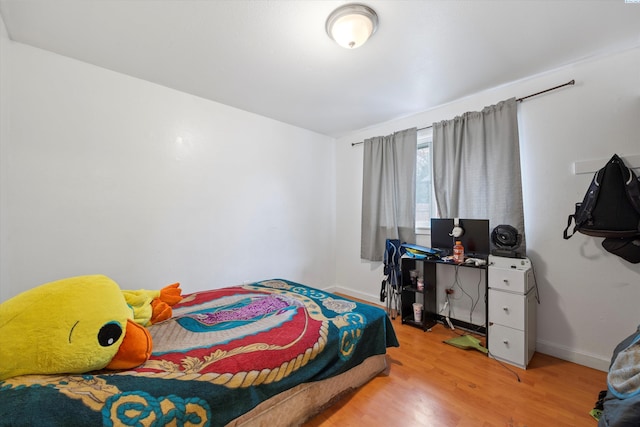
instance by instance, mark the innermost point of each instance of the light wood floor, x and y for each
(434, 384)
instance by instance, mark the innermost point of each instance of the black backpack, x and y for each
(611, 209)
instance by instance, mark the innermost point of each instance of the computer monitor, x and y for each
(475, 238)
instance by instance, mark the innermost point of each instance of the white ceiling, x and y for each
(273, 57)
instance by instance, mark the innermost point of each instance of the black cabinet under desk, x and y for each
(427, 295)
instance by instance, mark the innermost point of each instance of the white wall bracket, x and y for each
(593, 166)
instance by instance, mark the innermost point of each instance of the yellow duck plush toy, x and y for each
(77, 325)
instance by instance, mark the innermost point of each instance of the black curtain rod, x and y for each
(570, 83)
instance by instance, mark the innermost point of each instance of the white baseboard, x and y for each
(372, 299)
(568, 354)
(545, 347)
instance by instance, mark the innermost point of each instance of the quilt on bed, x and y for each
(222, 353)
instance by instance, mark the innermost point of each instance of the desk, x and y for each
(510, 304)
(410, 293)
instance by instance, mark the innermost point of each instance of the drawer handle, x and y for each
(506, 309)
(505, 342)
(505, 281)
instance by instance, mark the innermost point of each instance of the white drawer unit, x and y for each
(506, 343)
(510, 274)
(511, 310)
(511, 279)
(507, 309)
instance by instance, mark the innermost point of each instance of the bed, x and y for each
(620, 405)
(268, 353)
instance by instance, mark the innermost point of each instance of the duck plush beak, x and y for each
(135, 348)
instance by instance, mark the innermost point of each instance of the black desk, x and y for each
(430, 316)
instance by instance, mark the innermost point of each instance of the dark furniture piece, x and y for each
(427, 296)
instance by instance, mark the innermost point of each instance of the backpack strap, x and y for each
(590, 199)
(566, 234)
(584, 209)
(632, 186)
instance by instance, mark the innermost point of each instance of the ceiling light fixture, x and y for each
(352, 24)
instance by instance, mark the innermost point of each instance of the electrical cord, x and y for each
(504, 366)
(460, 334)
(447, 305)
(535, 282)
(474, 302)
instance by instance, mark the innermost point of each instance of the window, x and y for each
(425, 198)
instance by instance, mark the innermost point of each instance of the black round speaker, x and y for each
(506, 237)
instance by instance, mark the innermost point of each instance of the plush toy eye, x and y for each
(109, 334)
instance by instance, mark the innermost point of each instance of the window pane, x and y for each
(424, 188)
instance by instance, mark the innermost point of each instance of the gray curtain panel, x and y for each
(476, 167)
(388, 192)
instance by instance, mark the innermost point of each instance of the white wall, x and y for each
(104, 173)
(589, 298)
(4, 130)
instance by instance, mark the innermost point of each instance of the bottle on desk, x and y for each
(458, 252)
